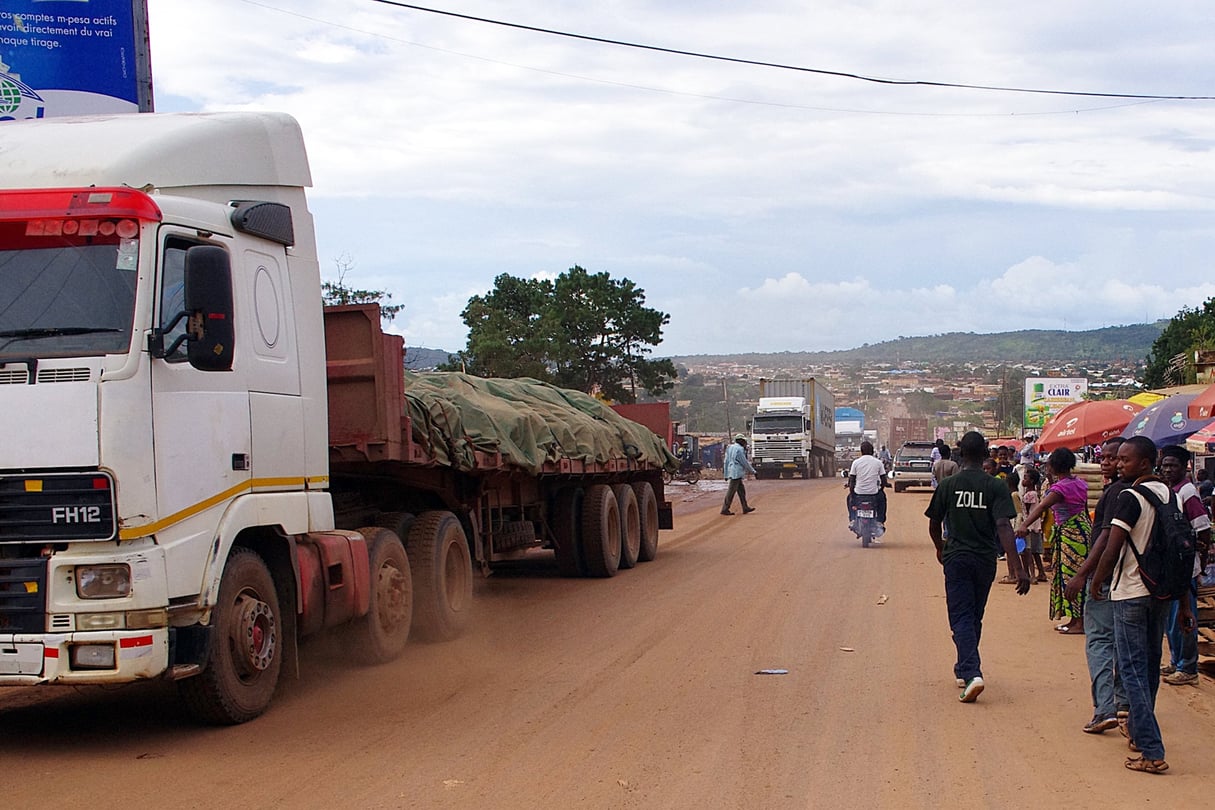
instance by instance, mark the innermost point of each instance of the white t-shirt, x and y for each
(1126, 583)
(868, 471)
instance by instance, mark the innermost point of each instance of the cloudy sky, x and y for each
(765, 209)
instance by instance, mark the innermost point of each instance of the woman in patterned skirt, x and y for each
(1067, 498)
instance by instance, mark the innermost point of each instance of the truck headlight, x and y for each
(92, 656)
(111, 581)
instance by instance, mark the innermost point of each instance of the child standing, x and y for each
(1032, 556)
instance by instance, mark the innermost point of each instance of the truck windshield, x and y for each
(777, 424)
(65, 295)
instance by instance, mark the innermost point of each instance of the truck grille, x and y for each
(22, 589)
(56, 508)
(778, 450)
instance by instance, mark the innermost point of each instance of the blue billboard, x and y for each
(73, 57)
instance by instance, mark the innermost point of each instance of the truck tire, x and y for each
(647, 509)
(442, 576)
(380, 636)
(244, 650)
(601, 531)
(630, 524)
(567, 530)
(398, 522)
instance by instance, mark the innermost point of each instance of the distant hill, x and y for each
(419, 359)
(1109, 344)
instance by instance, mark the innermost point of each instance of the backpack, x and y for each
(1166, 565)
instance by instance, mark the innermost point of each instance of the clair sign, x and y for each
(73, 57)
(1046, 396)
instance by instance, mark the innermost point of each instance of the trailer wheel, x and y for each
(442, 576)
(380, 636)
(244, 651)
(647, 509)
(601, 531)
(630, 524)
(567, 528)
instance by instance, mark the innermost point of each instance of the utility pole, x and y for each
(725, 395)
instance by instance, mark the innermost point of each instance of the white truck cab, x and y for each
(158, 289)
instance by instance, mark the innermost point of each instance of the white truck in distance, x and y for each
(201, 466)
(793, 430)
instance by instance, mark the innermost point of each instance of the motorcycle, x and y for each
(865, 523)
(689, 472)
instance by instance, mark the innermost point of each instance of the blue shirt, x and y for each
(736, 464)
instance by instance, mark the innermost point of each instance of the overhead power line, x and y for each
(778, 66)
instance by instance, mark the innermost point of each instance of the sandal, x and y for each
(1007, 580)
(1146, 765)
(1042, 578)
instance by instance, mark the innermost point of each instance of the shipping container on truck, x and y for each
(793, 429)
(210, 467)
(908, 429)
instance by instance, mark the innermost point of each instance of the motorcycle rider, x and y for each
(867, 476)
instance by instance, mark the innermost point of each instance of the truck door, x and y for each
(201, 433)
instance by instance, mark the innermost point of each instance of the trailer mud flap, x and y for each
(666, 518)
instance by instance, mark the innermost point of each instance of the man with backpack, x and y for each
(1145, 556)
(1182, 669)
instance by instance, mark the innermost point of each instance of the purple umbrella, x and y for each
(1166, 422)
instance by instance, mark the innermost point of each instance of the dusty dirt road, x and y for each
(640, 691)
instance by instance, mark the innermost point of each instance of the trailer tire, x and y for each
(244, 650)
(567, 531)
(442, 576)
(398, 522)
(380, 636)
(647, 509)
(630, 524)
(601, 531)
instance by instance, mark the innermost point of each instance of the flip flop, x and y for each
(1079, 631)
(1146, 765)
(1062, 628)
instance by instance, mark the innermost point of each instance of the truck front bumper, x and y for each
(118, 656)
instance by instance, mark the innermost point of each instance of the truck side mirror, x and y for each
(208, 301)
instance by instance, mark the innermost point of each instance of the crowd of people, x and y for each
(995, 505)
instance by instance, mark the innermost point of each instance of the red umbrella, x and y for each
(1203, 405)
(1012, 444)
(1089, 422)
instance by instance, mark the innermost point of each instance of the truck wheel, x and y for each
(567, 528)
(630, 524)
(380, 636)
(442, 575)
(244, 650)
(647, 509)
(601, 531)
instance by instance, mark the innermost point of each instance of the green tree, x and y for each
(1170, 361)
(334, 293)
(582, 330)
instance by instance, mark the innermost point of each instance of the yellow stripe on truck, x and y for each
(245, 487)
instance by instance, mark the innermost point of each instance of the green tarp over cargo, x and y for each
(528, 422)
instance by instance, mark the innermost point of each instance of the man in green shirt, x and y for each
(978, 510)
